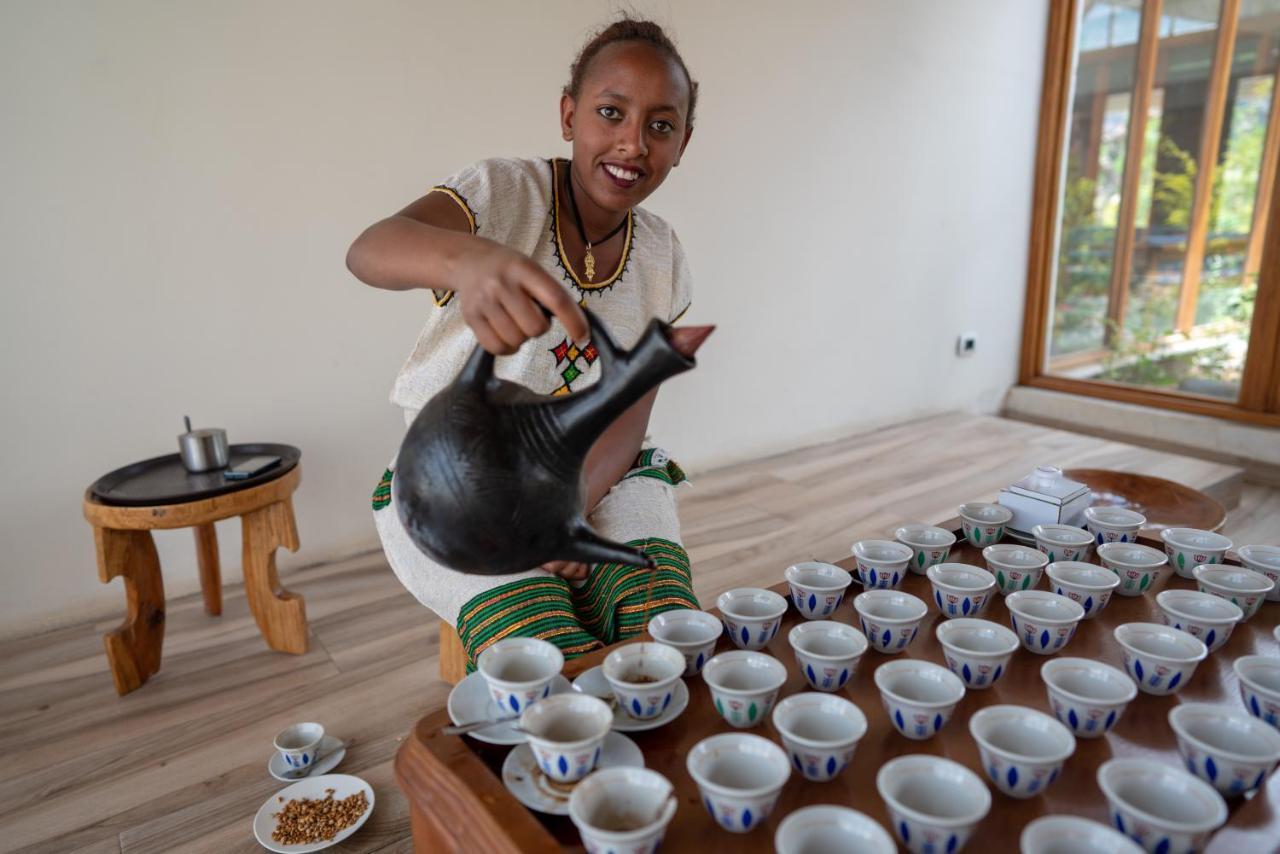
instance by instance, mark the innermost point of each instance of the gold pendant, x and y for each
(590, 264)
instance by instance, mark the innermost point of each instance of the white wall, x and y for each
(181, 182)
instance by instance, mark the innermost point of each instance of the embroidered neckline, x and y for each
(563, 260)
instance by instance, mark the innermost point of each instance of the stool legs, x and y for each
(281, 616)
(133, 650)
(210, 574)
(453, 657)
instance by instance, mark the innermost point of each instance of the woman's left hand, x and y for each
(567, 569)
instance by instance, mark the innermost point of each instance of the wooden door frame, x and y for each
(1259, 401)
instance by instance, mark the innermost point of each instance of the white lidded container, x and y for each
(1045, 497)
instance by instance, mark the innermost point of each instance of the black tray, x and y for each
(164, 480)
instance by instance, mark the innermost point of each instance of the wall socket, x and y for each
(966, 344)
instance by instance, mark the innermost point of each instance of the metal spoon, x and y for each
(463, 729)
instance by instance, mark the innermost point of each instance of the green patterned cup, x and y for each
(1015, 567)
(984, 522)
(1187, 548)
(744, 685)
(930, 545)
(1140, 568)
(1244, 587)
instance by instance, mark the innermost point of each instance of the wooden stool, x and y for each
(453, 656)
(125, 548)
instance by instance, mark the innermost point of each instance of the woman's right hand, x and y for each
(503, 295)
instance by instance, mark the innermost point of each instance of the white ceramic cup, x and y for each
(1201, 615)
(1266, 560)
(519, 672)
(693, 633)
(1043, 621)
(1113, 524)
(1088, 585)
(1160, 659)
(1015, 567)
(934, 803)
(744, 685)
(961, 589)
(566, 733)
(881, 564)
(622, 809)
(1228, 749)
(1063, 542)
(929, 544)
(978, 651)
(983, 523)
(824, 829)
(629, 665)
(1086, 695)
(739, 777)
(1160, 807)
(1022, 750)
(819, 732)
(1140, 568)
(1259, 678)
(299, 744)
(890, 619)
(1069, 834)
(827, 652)
(1187, 548)
(918, 696)
(817, 588)
(1243, 587)
(751, 615)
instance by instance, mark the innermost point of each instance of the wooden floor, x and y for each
(179, 765)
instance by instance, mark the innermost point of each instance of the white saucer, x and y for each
(331, 753)
(1025, 539)
(524, 779)
(470, 701)
(343, 785)
(593, 682)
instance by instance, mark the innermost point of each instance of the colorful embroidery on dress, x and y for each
(568, 354)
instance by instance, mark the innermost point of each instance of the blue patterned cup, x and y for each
(1069, 834)
(825, 827)
(1259, 677)
(929, 544)
(817, 588)
(643, 677)
(820, 732)
(693, 633)
(881, 564)
(889, 619)
(1043, 621)
(1229, 750)
(739, 777)
(1201, 615)
(752, 615)
(1086, 695)
(1022, 750)
(918, 696)
(299, 745)
(1161, 659)
(978, 651)
(933, 803)
(827, 652)
(1161, 808)
(566, 733)
(622, 809)
(1187, 548)
(983, 523)
(1113, 524)
(744, 685)
(519, 672)
(1087, 585)
(960, 589)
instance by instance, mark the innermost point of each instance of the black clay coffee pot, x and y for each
(489, 477)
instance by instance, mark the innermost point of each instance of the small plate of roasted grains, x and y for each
(313, 813)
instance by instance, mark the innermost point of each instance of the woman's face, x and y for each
(627, 124)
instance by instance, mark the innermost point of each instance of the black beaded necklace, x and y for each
(589, 262)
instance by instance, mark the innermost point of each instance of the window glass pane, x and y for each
(1150, 318)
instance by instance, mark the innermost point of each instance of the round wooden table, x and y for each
(1165, 503)
(125, 548)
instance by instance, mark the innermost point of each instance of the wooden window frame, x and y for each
(1259, 398)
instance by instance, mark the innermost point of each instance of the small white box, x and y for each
(1045, 497)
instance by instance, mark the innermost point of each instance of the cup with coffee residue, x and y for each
(622, 809)
(643, 676)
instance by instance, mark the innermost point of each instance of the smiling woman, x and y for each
(511, 249)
